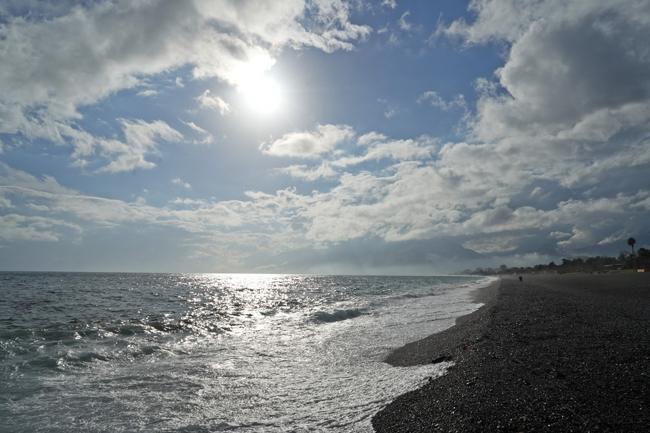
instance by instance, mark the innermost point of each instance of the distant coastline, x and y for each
(638, 261)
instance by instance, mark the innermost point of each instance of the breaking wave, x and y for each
(338, 315)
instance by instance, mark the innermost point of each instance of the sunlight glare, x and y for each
(263, 95)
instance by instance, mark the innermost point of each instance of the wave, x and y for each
(442, 288)
(338, 315)
(61, 360)
(413, 295)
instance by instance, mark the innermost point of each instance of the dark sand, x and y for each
(565, 353)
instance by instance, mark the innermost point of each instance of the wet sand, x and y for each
(556, 353)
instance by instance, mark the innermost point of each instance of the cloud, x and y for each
(147, 93)
(495, 244)
(14, 227)
(473, 191)
(308, 173)
(374, 147)
(390, 110)
(309, 144)
(20, 179)
(555, 160)
(49, 72)
(392, 4)
(566, 61)
(213, 102)
(435, 100)
(406, 202)
(326, 140)
(390, 113)
(47, 64)
(180, 182)
(403, 22)
(420, 148)
(206, 137)
(371, 137)
(232, 222)
(140, 139)
(5, 203)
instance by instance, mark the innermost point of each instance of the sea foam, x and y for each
(203, 352)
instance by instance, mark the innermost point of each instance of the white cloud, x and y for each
(147, 93)
(323, 171)
(213, 102)
(435, 100)
(19, 179)
(390, 113)
(374, 146)
(49, 71)
(392, 4)
(569, 107)
(556, 158)
(406, 201)
(65, 213)
(196, 128)
(206, 137)
(567, 60)
(391, 110)
(403, 22)
(47, 64)
(494, 244)
(5, 202)
(420, 148)
(180, 182)
(509, 21)
(459, 190)
(14, 227)
(140, 139)
(371, 137)
(183, 201)
(309, 144)
(323, 24)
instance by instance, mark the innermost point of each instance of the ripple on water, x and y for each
(190, 352)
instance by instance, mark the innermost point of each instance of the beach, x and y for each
(556, 353)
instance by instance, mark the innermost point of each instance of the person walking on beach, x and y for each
(521, 279)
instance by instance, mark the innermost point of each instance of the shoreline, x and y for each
(555, 353)
(440, 346)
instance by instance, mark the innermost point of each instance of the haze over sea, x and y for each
(91, 352)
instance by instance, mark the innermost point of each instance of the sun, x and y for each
(263, 95)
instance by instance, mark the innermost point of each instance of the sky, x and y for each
(321, 136)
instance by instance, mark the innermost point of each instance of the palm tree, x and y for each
(631, 242)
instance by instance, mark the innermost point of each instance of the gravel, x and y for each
(554, 353)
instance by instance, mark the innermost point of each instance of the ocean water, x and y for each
(91, 352)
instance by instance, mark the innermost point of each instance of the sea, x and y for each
(131, 352)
